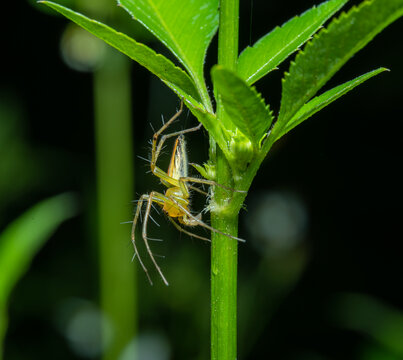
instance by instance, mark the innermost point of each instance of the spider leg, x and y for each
(208, 182)
(185, 231)
(176, 133)
(203, 224)
(197, 189)
(144, 233)
(175, 203)
(156, 149)
(136, 217)
(170, 121)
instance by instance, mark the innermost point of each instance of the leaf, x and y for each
(185, 27)
(319, 102)
(174, 77)
(207, 170)
(272, 49)
(330, 50)
(211, 124)
(22, 239)
(235, 146)
(243, 104)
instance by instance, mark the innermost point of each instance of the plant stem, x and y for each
(224, 251)
(228, 33)
(114, 190)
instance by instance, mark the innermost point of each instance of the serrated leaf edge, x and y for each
(336, 96)
(334, 22)
(280, 27)
(254, 138)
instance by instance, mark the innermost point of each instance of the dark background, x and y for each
(332, 289)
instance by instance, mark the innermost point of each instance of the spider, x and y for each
(175, 202)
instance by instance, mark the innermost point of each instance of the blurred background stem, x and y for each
(115, 183)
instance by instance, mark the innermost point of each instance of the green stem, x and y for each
(224, 251)
(114, 191)
(228, 34)
(223, 280)
(201, 86)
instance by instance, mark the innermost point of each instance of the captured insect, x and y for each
(175, 202)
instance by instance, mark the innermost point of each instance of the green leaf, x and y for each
(207, 170)
(243, 104)
(235, 146)
(185, 27)
(211, 124)
(325, 99)
(330, 50)
(173, 76)
(272, 49)
(22, 239)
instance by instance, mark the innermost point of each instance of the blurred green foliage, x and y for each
(372, 318)
(20, 167)
(22, 239)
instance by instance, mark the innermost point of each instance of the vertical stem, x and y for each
(228, 33)
(114, 190)
(224, 251)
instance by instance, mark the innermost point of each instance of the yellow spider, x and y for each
(176, 200)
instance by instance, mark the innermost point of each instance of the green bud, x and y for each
(241, 150)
